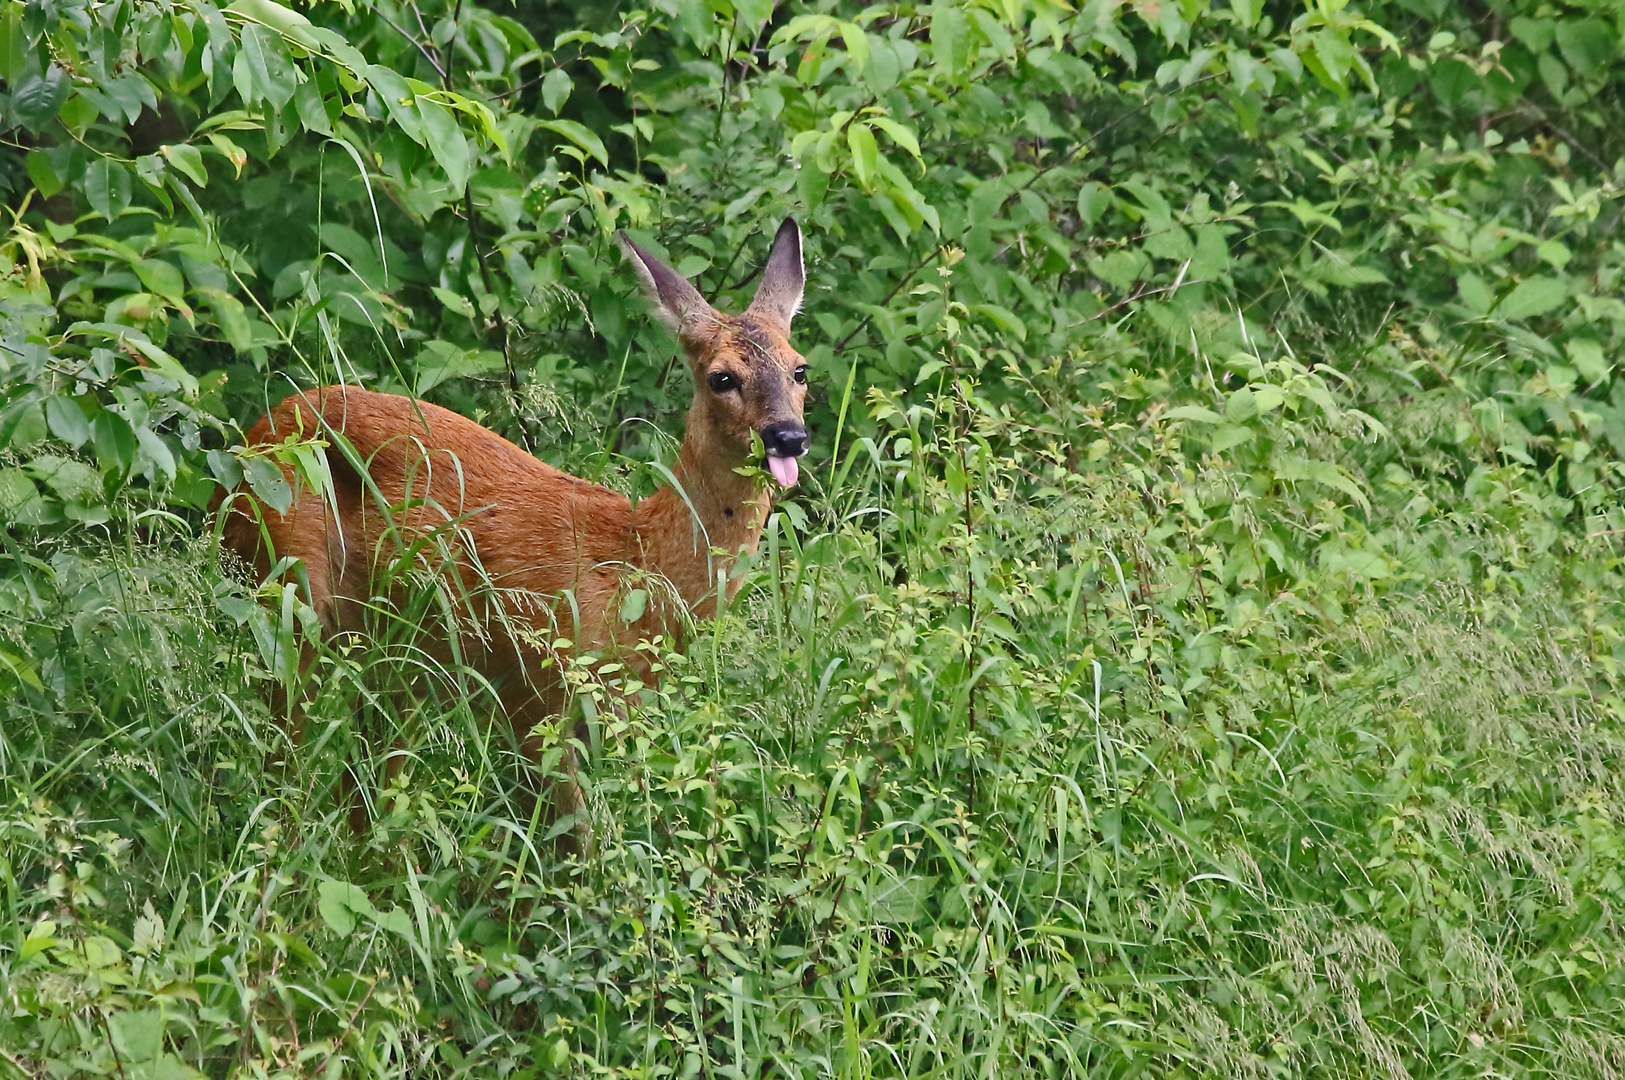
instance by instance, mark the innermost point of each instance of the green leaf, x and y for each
(1336, 268)
(884, 66)
(161, 360)
(864, 152)
(67, 420)
(857, 46)
(398, 100)
(633, 605)
(1321, 472)
(1121, 269)
(339, 902)
(1369, 565)
(1534, 296)
(36, 97)
(454, 301)
(696, 19)
(15, 57)
(1553, 73)
(226, 468)
(1194, 412)
(42, 173)
(1241, 406)
(189, 160)
(556, 87)
(72, 480)
(19, 498)
(162, 278)
(396, 920)
(268, 482)
(900, 135)
(1588, 359)
(311, 109)
(446, 141)
(581, 135)
(1003, 318)
(1554, 253)
(232, 152)
(1093, 200)
(901, 900)
(753, 14)
(441, 360)
(1537, 34)
(114, 441)
(138, 1034)
(27, 673)
(262, 70)
(948, 29)
(1587, 45)
(107, 187)
(1475, 295)
(24, 425)
(272, 14)
(156, 453)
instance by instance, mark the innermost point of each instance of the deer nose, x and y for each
(787, 438)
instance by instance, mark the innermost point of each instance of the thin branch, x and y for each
(1067, 157)
(1141, 295)
(867, 319)
(501, 321)
(427, 55)
(738, 251)
(1057, 163)
(526, 85)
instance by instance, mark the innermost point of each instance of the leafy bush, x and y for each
(1195, 648)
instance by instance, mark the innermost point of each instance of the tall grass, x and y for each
(1019, 754)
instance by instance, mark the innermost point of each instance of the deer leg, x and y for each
(535, 716)
(351, 790)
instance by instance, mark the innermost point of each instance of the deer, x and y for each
(540, 554)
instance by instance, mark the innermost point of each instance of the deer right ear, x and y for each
(676, 303)
(778, 297)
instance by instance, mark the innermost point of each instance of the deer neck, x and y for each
(712, 507)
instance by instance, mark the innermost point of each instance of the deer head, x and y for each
(747, 378)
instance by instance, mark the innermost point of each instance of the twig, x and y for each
(1137, 296)
(867, 319)
(1062, 160)
(427, 55)
(1078, 149)
(526, 85)
(738, 251)
(501, 321)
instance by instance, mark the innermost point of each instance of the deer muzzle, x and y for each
(784, 442)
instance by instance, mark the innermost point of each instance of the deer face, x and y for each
(747, 379)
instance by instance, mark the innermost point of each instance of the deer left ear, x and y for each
(778, 297)
(676, 303)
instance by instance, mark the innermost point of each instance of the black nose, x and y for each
(787, 438)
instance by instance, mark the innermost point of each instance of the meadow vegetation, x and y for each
(1194, 647)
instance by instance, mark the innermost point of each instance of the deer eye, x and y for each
(722, 382)
(800, 374)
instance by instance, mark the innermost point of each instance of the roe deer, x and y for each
(540, 550)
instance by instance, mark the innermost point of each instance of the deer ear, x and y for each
(676, 303)
(778, 297)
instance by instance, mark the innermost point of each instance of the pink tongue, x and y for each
(784, 470)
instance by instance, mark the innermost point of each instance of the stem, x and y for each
(501, 322)
(867, 319)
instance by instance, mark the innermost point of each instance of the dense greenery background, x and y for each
(1194, 650)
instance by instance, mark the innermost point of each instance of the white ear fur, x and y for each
(675, 301)
(778, 297)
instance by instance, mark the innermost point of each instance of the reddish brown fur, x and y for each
(525, 536)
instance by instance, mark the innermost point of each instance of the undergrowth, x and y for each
(1014, 757)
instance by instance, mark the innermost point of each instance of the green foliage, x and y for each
(1194, 647)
